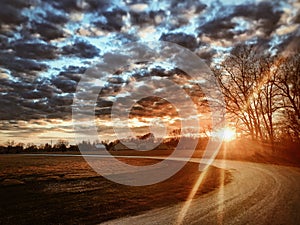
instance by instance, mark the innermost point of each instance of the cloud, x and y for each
(266, 13)
(220, 28)
(34, 50)
(81, 49)
(141, 18)
(73, 73)
(33, 131)
(113, 20)
(42, 98)
(81, 6)
(151, 81)
(20, 66)
(64, 84)
(297, 18)
(207, 54)
(187, 41)
(47, 31)
(10, 11)
(290, 44)
(55, 18)
(68, 5)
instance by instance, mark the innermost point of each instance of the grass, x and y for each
(65, 190)
(246, 150)
(241, 150)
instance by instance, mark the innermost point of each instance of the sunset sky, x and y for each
(46, 47)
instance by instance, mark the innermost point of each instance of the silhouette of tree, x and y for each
(288, 82)
(61, 145)
(10, 143)
(248, 78)
(31, 147)
(47, 147)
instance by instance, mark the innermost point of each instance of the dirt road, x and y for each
(258, 194)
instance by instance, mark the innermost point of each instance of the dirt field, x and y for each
(65, 190)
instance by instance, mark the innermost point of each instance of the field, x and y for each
(65, 190)
(242, 150)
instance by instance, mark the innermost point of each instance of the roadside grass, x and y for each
(241, 150)
(65, 190)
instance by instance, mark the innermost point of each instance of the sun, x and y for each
(227, 134)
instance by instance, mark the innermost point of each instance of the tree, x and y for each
(107, 144)
(10, 143)
(237, 76)
(31, 147)
(247, 80)
(61, 145)
(19, 147)
(47, 147)
(268, 98)
(288, 82)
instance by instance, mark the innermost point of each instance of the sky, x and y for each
(46, 47)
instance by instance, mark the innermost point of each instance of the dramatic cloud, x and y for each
(10, 12)
(187, 41)
(34, 50)
(266, 14)
(81, 49)
(47, 46)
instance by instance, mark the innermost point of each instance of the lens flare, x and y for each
(227, 134)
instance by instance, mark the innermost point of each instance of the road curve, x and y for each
(258, 194)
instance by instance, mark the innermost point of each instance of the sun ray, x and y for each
(221, 194)
(191, 196)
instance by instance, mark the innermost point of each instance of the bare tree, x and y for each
(288, 82)
(10, 143)
(268, 95)
(62, 144)
(237, 76)
(247, 79)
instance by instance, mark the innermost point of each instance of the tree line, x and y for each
(60, 146)
(86, 146)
